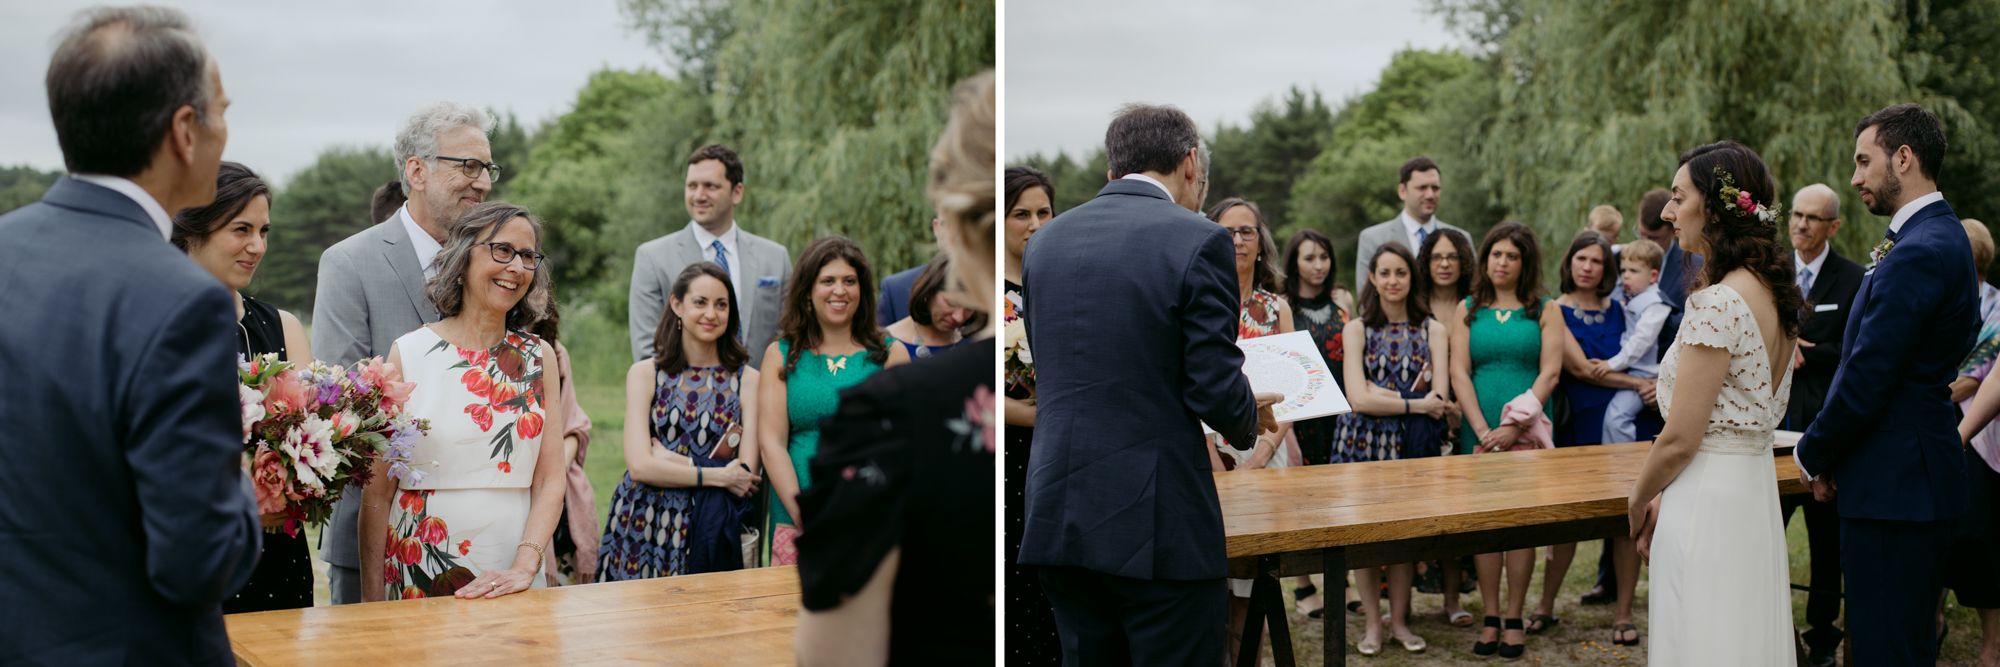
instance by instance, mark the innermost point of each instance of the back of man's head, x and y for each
(117, 77)
(1650, 206)
(1606, 220)
(1147, 137)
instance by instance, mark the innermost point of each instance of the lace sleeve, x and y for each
(1713, 319)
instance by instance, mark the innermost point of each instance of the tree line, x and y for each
(1557, 106)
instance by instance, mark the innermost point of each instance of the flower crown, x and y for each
(1740, 201)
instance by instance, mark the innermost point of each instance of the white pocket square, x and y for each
(1826, 307)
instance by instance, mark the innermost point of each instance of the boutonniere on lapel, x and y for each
(1881, 250)
(834, 367)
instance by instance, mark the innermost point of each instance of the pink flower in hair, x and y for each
(1743, 201)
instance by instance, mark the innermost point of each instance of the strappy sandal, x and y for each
(1512, 651)
(1454, 618)
(1619, 630)
(1299, 596)
(1539, 623)
(1484, 649)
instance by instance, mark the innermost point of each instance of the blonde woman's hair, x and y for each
(962, 187)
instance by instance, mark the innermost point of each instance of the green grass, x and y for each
(1584, 636)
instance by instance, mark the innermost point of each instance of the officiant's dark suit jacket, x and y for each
(1888, 433)
(1827, 306)
(1132, 317)
(125, 517)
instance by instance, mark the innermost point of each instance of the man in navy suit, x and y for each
(1132, 313)
(1885, 447)
(125, 517)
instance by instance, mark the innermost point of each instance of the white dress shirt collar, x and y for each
(427, 248)
(1910, 210)
(1410, 227)
(705, 242)
(1800, 264)
(1142, 177)
(125, 186)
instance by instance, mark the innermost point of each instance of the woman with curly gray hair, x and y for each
(474, 516)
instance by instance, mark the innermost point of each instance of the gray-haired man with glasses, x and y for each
(371, 285)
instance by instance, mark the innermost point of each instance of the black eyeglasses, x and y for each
(505, 253)
(1246, 233)
(472, 168)
(1812, 218)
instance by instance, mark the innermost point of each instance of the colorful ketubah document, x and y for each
(1290, 364)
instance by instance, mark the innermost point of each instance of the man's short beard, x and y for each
(1887, 197)
(443, 213)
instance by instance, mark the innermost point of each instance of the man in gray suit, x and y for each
(371, 285)
(1418, 185)
(758, 267)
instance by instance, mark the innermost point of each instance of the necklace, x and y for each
(834, 367)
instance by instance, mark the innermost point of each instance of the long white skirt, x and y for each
(440, 540)
(1720, 580)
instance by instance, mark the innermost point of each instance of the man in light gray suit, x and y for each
(371, 285)
(1418, 185)
(758, 267)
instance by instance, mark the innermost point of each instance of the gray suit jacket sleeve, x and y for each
(647, 298)
(1371, 238)
(340, 332)
(202, 528)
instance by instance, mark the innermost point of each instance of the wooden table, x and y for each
(1334, 518)
(725, 618)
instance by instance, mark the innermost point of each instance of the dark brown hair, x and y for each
(1650, 206)
(1264, 273)
(797, 325)
(668, 353)
(935, 277)
(115, 82)
(1527, 288)
(1019, 179)
(549, 328)
(1292, 250)
(1584, 240)
(1908, 125)
(479, 225)
(732, 166)
(1415, 165)
(1467, 265)
(387, 199)
(1738, 240)
(235, 186)
(1370, 303)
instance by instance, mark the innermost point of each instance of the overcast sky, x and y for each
(307, 75)
(1070, 63)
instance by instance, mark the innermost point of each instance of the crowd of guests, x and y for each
(1447, 350)
(771, 418)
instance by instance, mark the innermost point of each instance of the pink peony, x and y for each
(284, 393)
(1744, 202)
(267, 475)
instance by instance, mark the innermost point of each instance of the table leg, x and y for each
(1274, 601)
(1333, 561)
(1253, 621)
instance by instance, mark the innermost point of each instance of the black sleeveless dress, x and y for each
(284, 577)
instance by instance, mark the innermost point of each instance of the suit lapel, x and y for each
(1825, 280)
(402, 259)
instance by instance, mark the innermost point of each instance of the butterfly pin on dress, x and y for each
(834, 367)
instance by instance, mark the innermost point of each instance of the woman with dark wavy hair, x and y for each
(827, 341)
(1506, 354)
(1031, 620)
(1704, 502)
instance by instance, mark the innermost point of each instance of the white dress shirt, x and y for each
(1142, 177)
(125, 186)
(427, 248)
(1910, 210)
(1411, 227)
(707, 243)
(1801, 265)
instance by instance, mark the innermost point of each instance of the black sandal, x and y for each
(1483, 649)
(1512, 651)
(1354, 606)
(1540, 623)
(1619, 630)
(1299, 596)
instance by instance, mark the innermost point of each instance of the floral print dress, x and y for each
(697, 412)
(1256, 318)
(1324, 319)
(469, 512)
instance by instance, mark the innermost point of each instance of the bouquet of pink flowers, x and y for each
(312, 432)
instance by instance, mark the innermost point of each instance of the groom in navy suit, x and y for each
(1884, 447)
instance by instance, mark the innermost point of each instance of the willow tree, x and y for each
(1597, 99)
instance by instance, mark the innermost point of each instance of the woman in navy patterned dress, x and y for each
(696, 397)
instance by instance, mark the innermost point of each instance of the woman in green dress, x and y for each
(1506, 344)
(827, 341)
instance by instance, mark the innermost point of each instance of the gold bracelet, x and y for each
(539, 555)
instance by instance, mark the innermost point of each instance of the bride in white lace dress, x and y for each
(1706, 504)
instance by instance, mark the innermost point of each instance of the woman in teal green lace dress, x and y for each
(828, 340)
(1506, 344)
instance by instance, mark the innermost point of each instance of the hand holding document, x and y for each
(1290, 365)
